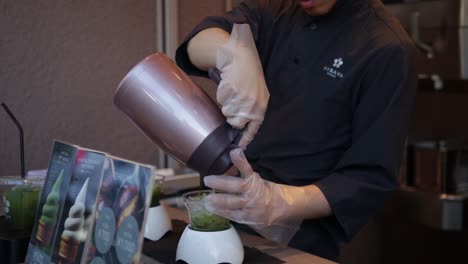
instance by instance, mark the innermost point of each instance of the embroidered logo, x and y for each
(333, 71)
(337, 63)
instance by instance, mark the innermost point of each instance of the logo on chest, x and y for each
(333, 71)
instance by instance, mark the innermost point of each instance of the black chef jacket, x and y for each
(341, 90)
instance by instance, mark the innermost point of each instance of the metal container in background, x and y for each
(439, 166)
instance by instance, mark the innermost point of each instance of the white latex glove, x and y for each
(242, 92)
(274, 210)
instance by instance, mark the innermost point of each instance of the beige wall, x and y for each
(60, 62)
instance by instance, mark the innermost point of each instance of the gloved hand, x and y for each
(274, 210)
(242, 92)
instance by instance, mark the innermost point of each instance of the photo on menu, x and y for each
(116, 233)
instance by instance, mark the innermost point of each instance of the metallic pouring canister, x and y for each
(176, 114)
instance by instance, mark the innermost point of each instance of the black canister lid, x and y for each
(212, 156)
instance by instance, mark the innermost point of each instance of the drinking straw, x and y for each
(20, 128)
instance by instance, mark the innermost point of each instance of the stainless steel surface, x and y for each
(440, 31)
(440, 211)
(168, 106)
(464, 38)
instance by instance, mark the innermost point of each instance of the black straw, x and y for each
(20, 128)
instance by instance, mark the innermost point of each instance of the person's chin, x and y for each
(317, 7)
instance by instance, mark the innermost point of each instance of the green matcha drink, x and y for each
(200, 218)
(155, 198)
(20, 205)
(6, 184)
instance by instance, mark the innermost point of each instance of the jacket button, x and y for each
(313, 26)
(296, 60)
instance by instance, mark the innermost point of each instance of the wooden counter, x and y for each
(286, 254)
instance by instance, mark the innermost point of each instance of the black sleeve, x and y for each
(248, 12)
(366, 174)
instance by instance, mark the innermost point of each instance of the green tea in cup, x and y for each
(6, 183)
(20, 205)
(200, 218)
(156, 197)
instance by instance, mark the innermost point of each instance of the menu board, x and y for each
(92, 208)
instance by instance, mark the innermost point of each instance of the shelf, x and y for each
(448, 86)
(441, 211)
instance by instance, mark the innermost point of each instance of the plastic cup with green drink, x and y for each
(200, 218)
(19, 199)
(156, 197)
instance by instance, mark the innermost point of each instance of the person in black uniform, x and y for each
(325, 105)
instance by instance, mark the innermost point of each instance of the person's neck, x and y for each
(321, 10)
